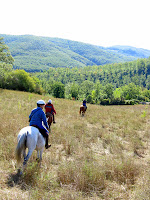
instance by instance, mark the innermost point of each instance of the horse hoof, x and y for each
(24, 163)
(38, 160)
(19, 172)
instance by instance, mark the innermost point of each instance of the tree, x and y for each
(141, 66)
(98, 94)
(5, 55)
(6, 62)
(58, 90)
(108, 90)
(74, 90)
(86, 88)
(131, 91)
(118, 93)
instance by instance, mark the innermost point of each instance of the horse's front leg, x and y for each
(49, 123)
(41, 153)
(38, 156)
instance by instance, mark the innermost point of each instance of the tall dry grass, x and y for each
(103, 155)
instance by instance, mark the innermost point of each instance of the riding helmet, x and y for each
(41, 102)
(49, 101)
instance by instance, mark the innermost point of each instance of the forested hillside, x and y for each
(34, 53)
(114, 82)
(117, 74)
(119, 83)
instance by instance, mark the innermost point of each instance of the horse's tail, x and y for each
(21, 144)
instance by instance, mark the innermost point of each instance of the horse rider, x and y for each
(84, 104)
(49, 108)
(36, 118)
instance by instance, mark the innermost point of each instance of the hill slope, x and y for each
(34, 53)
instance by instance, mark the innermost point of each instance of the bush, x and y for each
(105, 102)
(131, 102)
(22, 81)
(117, 101)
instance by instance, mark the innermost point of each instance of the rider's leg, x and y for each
(54, 119)
(45, 135)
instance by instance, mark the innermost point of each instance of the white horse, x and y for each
(29, 137)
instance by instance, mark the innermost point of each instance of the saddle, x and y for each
(48, 114)
(35, 126)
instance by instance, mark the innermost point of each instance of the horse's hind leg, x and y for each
(38, 156)
(27, 158)
(24, 153)
(80, 111)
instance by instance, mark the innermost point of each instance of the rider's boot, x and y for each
(47, 145)
(53, 119)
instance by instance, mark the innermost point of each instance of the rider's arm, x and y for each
(30, 115)
(54, 109)
(44, 119)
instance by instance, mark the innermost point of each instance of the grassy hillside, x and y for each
(34, 53)
(104, 155)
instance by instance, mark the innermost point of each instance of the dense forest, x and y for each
(113, 83)
(118, 83)
(34, 54)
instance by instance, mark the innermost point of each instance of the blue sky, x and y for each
(99, 22)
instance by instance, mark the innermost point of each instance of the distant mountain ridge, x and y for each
(130, 51)
(35, 53)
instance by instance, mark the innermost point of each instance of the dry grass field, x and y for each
(103, 155)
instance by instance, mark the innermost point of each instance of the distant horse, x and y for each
(82, 110)
(49, 119)
(29, 137)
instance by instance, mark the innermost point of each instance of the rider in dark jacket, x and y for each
(36, 118)
(84, 104)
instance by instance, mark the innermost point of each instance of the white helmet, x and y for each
(41, 102)
(49, 101)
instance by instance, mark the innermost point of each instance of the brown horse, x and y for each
(50, 119)
(82, 110)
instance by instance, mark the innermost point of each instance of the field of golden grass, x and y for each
(103, 155)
